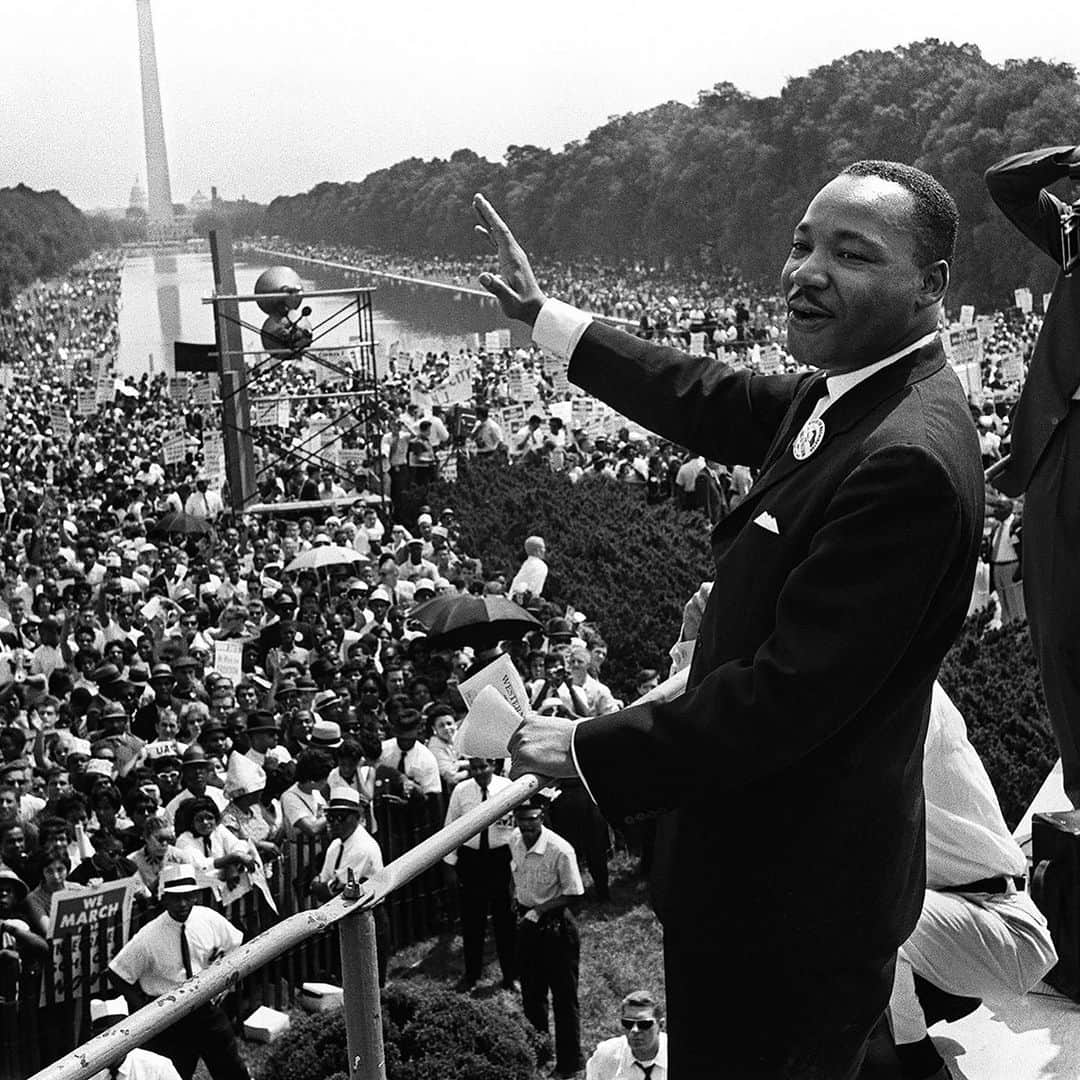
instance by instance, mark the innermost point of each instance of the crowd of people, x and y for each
(126, 753)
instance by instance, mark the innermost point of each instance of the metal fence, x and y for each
(51, 1016)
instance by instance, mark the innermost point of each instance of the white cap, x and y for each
(102, 1008)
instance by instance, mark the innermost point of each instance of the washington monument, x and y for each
(159, 205)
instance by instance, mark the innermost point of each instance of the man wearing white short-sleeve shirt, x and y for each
(182, 941)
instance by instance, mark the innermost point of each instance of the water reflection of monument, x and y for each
(168, 302)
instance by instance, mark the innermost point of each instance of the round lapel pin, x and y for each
(808, 440)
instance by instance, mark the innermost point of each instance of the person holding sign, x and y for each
(792, 854)
(1044, 459)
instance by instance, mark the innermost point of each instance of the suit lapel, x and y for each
(848, 411)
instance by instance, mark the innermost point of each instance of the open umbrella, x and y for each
(176, 521)
(325, 555)
(479, 621)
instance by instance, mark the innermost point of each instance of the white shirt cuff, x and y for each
(577, 767)
(558, 328)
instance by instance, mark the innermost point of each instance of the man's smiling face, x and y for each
(853, 285)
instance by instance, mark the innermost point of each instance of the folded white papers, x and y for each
(503, 676)
(486, 731)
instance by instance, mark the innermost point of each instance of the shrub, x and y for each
(993, 680)
(429, 1031)
(629, 566)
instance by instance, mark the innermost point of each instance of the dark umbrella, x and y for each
(479, 621)
(176, 521)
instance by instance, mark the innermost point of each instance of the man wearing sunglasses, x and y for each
(640, 1053)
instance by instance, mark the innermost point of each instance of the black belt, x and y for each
(993, 885)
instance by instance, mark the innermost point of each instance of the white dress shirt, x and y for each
(467, 796)
(152, 958)
(546, 870)
(420, 765)
(613, 1060)
(358, 851)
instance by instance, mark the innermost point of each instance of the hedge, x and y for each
(428, 1030)
(629, 566)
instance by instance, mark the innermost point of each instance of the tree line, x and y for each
(41, 235)
(722, 182)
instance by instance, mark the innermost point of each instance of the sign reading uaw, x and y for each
(73, 910)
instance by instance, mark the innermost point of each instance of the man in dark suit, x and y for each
(791, 861)
(1044, 462)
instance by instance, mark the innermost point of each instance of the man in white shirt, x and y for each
(138, 1064)
(640, 1053)
(203, 503)
(352, 848)
(182, 941)
(546, 881)
(410, 757)
(533, 572)
(978, 936)
(482, 868)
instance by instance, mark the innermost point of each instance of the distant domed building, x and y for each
(137, 200)
(198, 202)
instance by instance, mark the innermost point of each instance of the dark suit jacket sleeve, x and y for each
(701, 403)
(849, 612)
(1018, 186)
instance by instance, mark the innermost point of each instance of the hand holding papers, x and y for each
(486, 731)
(498, 704)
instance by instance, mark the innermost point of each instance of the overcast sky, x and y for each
(269, 97)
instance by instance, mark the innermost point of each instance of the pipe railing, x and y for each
(359, 969)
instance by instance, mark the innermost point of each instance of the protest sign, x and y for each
(202, 393)
(771, 361)
(452, 391)
(87, 403)
(229, 659)
(1012, 368)
(90, 926)
(105, 388)
(697, 344)
(178, 389)
(264, 414)
(491, 341)
(1023, 300)
(967, 315)
(174, 449)
(59, 422)
(70, 910)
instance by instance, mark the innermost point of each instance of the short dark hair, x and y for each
(313, 764)
(642, 999)
(936, 218)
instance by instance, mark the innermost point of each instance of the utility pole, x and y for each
(236, 411)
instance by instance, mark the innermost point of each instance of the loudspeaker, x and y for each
(1055, 888)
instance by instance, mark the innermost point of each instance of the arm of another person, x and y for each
(841, 627)
(1018, 186)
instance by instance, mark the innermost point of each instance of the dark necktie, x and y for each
(206, 845)
(816, 389)
(646, 1069)
(485, 843)
(401, 763)
(185, 952)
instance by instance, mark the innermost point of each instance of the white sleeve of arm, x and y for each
(558, 328)
(577, 767)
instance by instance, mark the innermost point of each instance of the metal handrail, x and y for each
(365, 1036)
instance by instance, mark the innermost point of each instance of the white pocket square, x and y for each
(767, 521)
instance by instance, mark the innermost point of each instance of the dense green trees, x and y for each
(724, 181)
(41, 234)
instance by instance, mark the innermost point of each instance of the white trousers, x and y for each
(973, 945)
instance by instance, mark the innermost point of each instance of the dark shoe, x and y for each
(465, 986)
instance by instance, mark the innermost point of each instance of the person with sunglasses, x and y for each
(640, 1053)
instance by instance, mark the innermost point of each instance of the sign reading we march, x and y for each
(73, 910)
